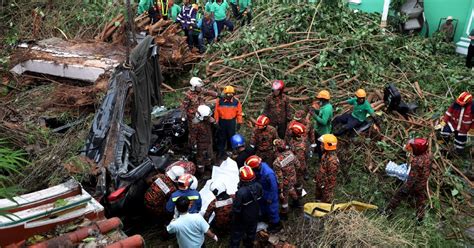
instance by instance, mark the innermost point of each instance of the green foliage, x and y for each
(11, 161)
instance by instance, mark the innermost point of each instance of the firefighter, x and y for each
(161, 188)
(241, 152)
(358, 115)
(285, 166)
(322, 116)
(298, 145)
(269, 203)
(184, 182)
(245, 209)
(202, 138)
(262, 139)
(458, 120)
(300, 116)
(188, 166)
(221, 206)
(415, 186)
(277, 108)
(326, 176)
(228, 115)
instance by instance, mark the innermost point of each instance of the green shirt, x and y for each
(220, 10)
(360, 111)
(144, 5)
(243, 4)
(208, 6)
(322, 120)
(233, 1)
(174, 11)
(472, 34)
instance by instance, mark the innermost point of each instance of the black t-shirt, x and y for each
(242, 156)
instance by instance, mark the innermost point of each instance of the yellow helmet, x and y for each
(360, 93)
(228, 90)
(324, 94)
(329, 142)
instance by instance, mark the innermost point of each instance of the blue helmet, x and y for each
(237, 141)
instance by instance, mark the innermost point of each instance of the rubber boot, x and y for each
(296, 203)
(275, 227)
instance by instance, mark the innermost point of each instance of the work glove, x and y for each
(441, 125)
(238, 127)
(215, 238)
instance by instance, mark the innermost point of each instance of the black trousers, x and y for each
(225, 133)
(348, 121)
(245, 232)
(470, 54)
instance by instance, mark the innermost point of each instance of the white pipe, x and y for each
(386, 6)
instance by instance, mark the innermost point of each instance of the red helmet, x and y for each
(297, 128)
(185, 181)
(253, 161)
(246, 174)
(464, 99)
(262, 121)
(278, 85)
(279, 144)
(417, 146)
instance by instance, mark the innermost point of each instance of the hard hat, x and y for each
(194, 184)
(299, 115)
(184, 181)
(324, 94)
(297, 128)
(417, 146)
(449, 18)
(202, 112)
(262, 121)
(195, 6)
(237, 141)
(188, 166)
(195, 82)
(246, 174)
(174, 172)
(360, 93)
(464, 98)
(279, 144)
(228, 90)
(329, 142)
(218, 187)
(278, 85)
(253, 161)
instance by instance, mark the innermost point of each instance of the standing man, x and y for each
(202, 139)
(228, 115)
(219, 9)
(241, 152)
(184, 182)
(448, 29)
(245, 11)
(245, 209)
(299, 146)
(285, 169)
(221, 206)
(269, 203)
(189, 227)
(415, 186)
(470, 50)
(209, 31)
(458, 119)
(322, 116)
(277, 107)
(262, 139)
(187, 18)
(326, 176)
(174, 10)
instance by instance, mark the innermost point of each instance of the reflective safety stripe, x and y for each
(190, 197)
(162, 185)
(287, 160)
(448, 114)
(223, 203)
(460, 119)
(284, 205)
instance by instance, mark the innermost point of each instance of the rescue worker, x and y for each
(300, 117)
(221, 206)
(298, 145)
(187, 18)
(262, 139)
(269, 205)
(241, 152)
(326, 177)
(322, 116)
(285, 166)
(228, 115)
(245, 209)
(161, 188)
(188, 166)
(277, 108)
(358, 115)
(458, 120)
(415, 186)
(184, 182)
(202, 138)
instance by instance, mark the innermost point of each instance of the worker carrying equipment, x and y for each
(262, 139)
(328, 168)
(221, 206)
(277, 108)
(202, 141)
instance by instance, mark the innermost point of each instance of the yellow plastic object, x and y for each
(320, 209)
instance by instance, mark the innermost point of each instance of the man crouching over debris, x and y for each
(418, 178)
(202, 139)
(221, 206)
(326, 176)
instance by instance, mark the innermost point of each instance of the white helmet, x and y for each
(195, 82)
(203, 111)
(219, 186)
(194, 184)
(175, 172)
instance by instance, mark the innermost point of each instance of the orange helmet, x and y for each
(185, 181)
(246, 174)
(417, 146)
(262, 121)
(278, 85)
(279, 144)
(324, 94)
(360, 93)
(464, 99)
(299, 115)
(253, 161)
(297, 128)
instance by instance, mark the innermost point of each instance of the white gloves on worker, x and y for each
(313, 145)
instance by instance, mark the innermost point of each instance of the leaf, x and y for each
(116, 24)
(454, 192)
(60, 203)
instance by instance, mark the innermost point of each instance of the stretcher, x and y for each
(320, 209)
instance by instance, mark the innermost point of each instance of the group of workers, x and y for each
(201, 22)
(273, 164)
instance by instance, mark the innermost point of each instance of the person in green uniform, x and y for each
(219, 9)
(208, 5)
(245, 11)
(175, 9)
(144, 5)
(322, 116)
(470, 50)
(159, 9)
(358, 116)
